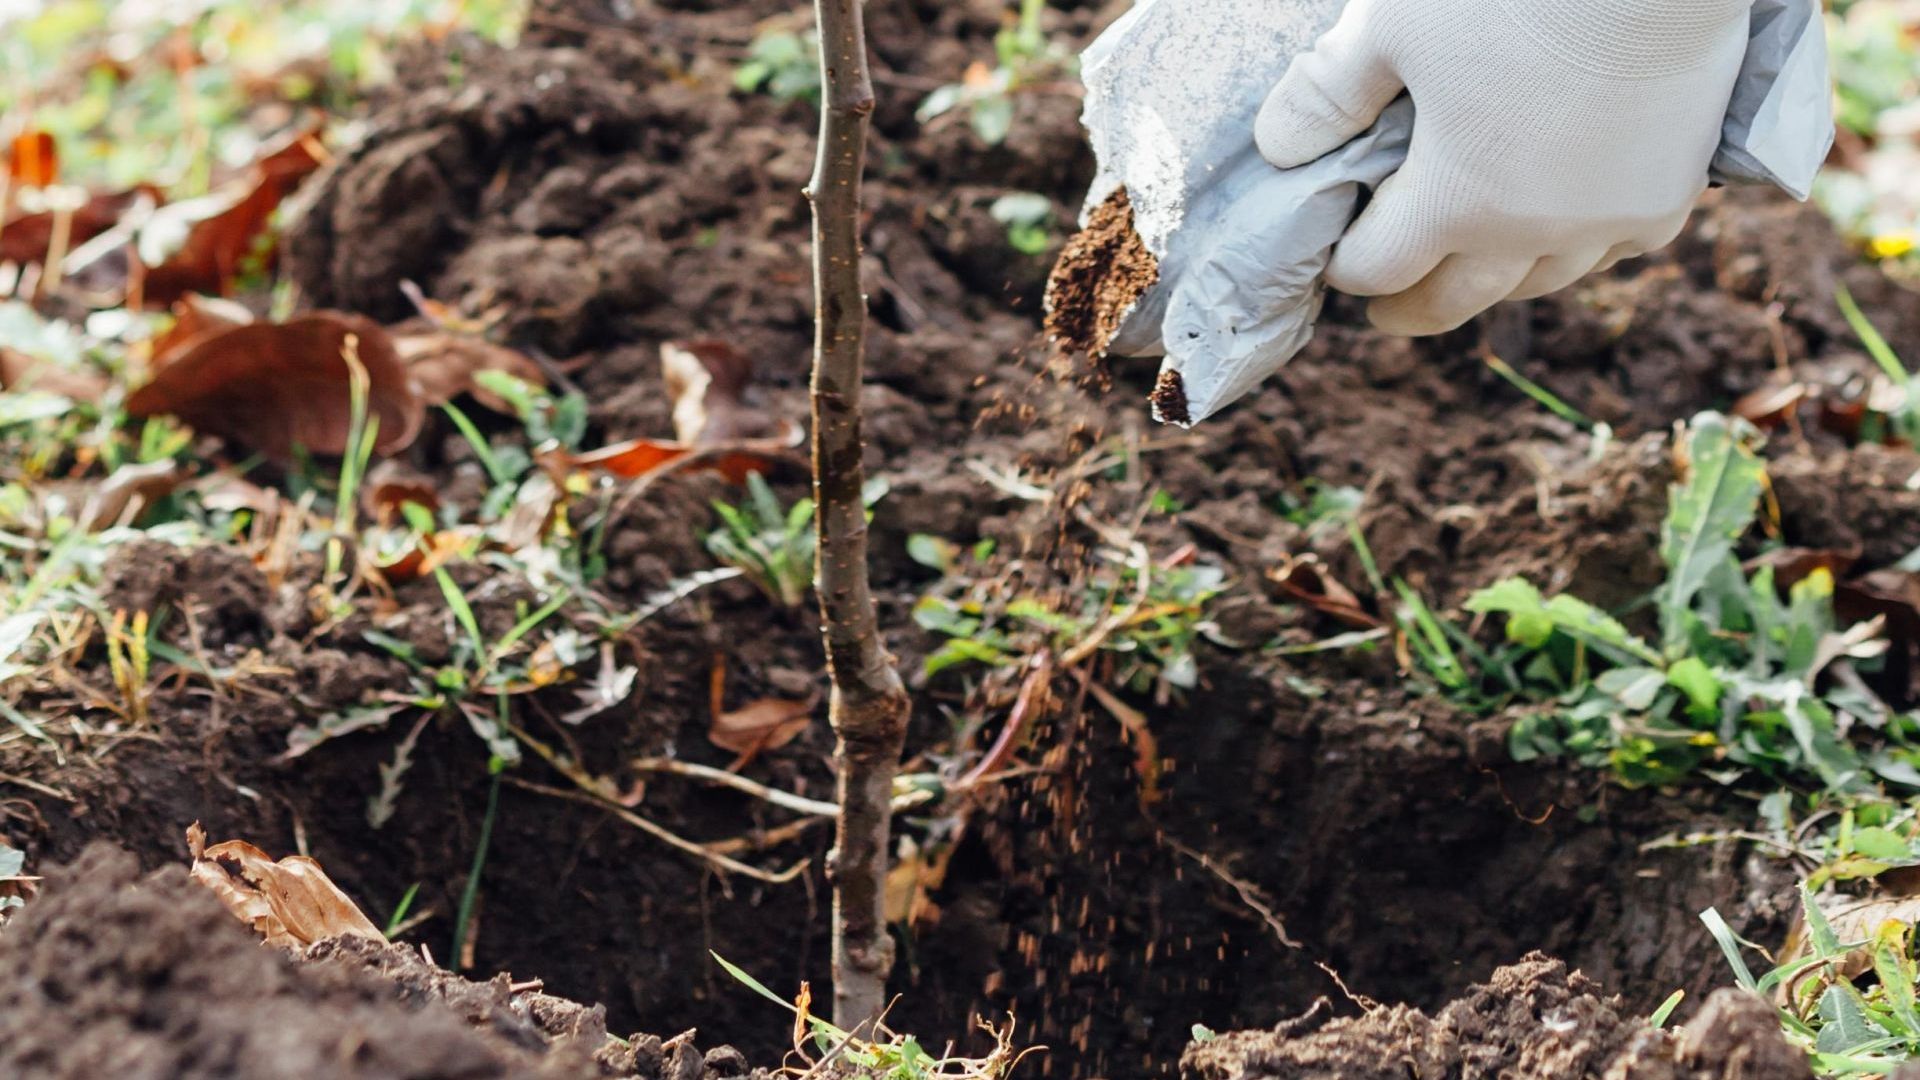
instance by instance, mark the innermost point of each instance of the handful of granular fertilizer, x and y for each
(1195, 249)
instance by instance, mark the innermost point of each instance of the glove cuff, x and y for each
(1633, 39)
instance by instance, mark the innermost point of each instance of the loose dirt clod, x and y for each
(1531, 1021)
(1101, 273)
(1169, 398)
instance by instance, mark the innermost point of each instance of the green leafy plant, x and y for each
(1024, 58)
(1850, 1025)
(1149, 618)
(1028, 217)
(1733, 687)
(560, 421)
(771, 547)
(782, 64)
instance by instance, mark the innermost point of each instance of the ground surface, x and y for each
(603, 183)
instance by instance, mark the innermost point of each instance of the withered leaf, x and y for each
(1772, 405)
(443, 365)
(20, 372)
(1307, 580)
(759, 726)
(420, 556)
(274, 386)
(24, 240)
(290, 903)
(128, 491)
(196, 317)
(217, 246)
(536, 506)
(638, 457)
(390, 485)
(232, 493)
(707, 380)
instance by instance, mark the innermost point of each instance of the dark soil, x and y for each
(1532, 1021)
(1101, 273)
(112, 973)
(604, 187)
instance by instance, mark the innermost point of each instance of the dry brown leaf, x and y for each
(425, 555)
(24, 240)
(33, 160)
(20, 372)
(1307, 580)
(232, 494)
(196, 317)
(1772, 405)
(274, 386)
(290, 903)
(125, 494)
(637, 457)
(443, 365)
(707, 380)
(536, 506)
(759, 726)
(217, 247)
(391, 485)
(912, 880)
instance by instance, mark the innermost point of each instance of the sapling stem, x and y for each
(869, 704)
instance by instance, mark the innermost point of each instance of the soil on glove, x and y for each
(1531, 1021)
(115, 973)
(1103, 271)
(603, 188)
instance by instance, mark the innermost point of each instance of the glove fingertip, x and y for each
(1290, 136)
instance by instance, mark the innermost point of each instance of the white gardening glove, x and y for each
(1551, 138)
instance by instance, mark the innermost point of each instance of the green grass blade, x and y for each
(525, 626)
(482, 449)
(470, 895)
(462, 610)
(1665, 1012)
(1871, 337)
(400, 910)
(1729, 943)
(1540, 394)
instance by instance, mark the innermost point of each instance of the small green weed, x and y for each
(1900, 420)
(1848, 1030)
(1028, 217)
(1150, 618)
(771, 547)
(783, 64)
(1732, 688)
(1025, 58)
(881, 1053)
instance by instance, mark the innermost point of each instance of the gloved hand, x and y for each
(1552, 138)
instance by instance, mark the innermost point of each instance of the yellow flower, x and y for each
(1892, 245)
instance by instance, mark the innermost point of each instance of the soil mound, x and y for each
(1531, 1021)
(111, 973)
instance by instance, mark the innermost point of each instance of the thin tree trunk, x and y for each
(869, 705)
